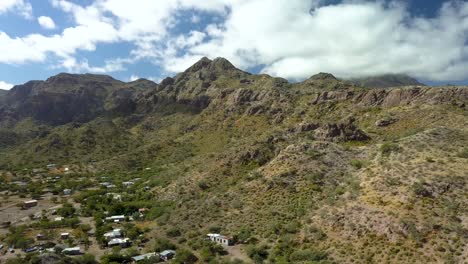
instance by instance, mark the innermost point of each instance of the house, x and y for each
(167, 255)
(128, 184)
(144, 257)
(58, 219)
(123, 242)
(67, 191)
(105, 184)
(116, 233)
(72, 251)
(115, 218)
(64, 235)
(142, 210)
(40, 237)
(29, 204)
(30, 250)
(51, 166)
(220, 239)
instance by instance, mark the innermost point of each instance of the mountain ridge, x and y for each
(386, 81)
(323, 168)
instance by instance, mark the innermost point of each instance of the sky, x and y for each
(293, 39)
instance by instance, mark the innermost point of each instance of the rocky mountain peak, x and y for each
(70, 79)
(202, 63)
(222, 64)
(323, 76)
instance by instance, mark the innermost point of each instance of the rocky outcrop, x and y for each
(386, 121)
(340, 132)
(412, 95)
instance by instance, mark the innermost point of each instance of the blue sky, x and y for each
(288, 38)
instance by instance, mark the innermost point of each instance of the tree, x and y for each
(257, 254)
(184, 256)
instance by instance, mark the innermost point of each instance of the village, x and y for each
(58, 211)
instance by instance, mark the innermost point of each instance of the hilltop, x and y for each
(387, 80)
(322, 170)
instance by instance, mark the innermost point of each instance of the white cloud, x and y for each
(46, 22)
(21, 7)
(134, 77)
(353, 38)
(5, 86)
(349, 39)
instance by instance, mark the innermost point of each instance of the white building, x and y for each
(128, 184)
(72, 251)
(144, 257)
(220, 239)
(116, 233)
(115, 218)
(123, 242)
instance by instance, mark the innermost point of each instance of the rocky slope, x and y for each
(385, 81)
(362, 175)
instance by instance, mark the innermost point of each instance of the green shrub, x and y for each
(316, 178)
(161, 244)
(420, 190)
(358, 164)
(184, 256)
(214, 229)
(388, 148)
(173, 232)
(463, 154)
(257, 253)
(308, 255)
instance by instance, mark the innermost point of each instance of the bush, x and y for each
(214, 229)
(162, 244)
(308, 255)
(203, 185)
(388, 148)
(257, 253)
(67, 210)
(114, 258)
(184, 256)
(358, 164)
(463, 154)
(420, 190)
(173, 232)
(316, 178)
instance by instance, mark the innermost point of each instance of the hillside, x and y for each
(322, 170)
(387, 80)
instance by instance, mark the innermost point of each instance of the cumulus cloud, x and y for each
(46, 22)
(5, 85)
(21, 7)
(134, 77)
(354, 38)
(289, 38)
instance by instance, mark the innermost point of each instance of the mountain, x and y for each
(3, 92)
(387, 80)
(323, 170)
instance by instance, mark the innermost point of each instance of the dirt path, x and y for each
(237, 252)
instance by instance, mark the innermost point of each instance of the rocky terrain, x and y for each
(385, 81)
(323, 170)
